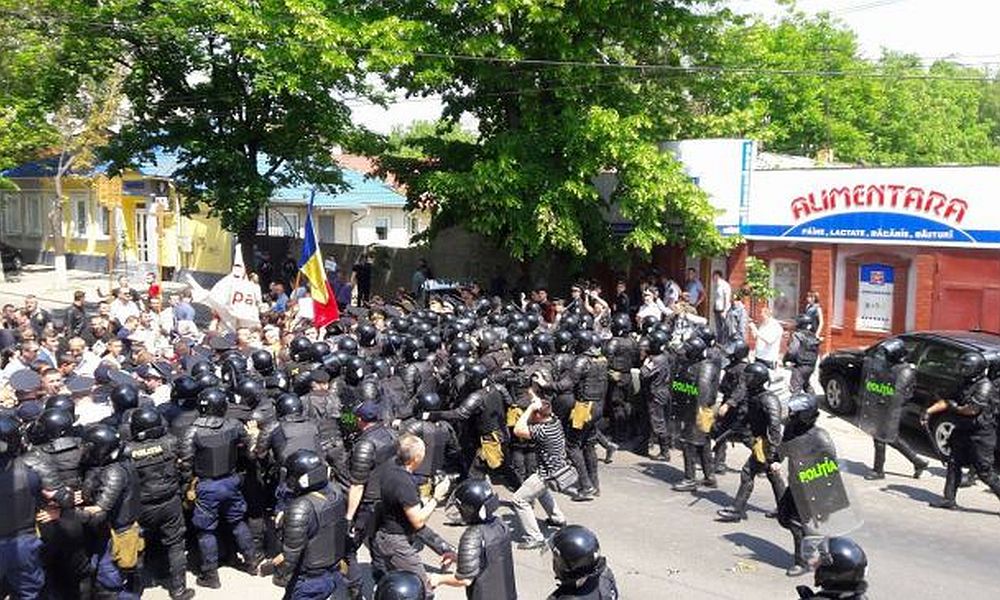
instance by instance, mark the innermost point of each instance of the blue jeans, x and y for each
(21, 566)
(317, 587)
(113, 579)
(217, 498)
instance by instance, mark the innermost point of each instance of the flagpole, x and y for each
(312, 196)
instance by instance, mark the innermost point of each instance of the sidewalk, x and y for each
(53, 294)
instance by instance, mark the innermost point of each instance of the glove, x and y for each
(441, 490)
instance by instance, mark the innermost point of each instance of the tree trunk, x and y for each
(56, 223)
(247, 237)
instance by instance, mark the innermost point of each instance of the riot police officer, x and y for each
(656, 374)
(400, 585)
(623, 355)
(182, 410)
(591, 376)
(292, 431)
(695, 388)
(974, 438)
(731, 423)
(56, 443)
(764, 421)
(417, 374)
(153, 452)
(111, 508)
(485, 560)
(841, 572)
(209, 452)
(25, 481)
(582, 571)
(803, 350)
(314, 530)
(440, 442)
(887, 386)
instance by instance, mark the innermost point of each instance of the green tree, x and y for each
(246, 96)
(559, 97)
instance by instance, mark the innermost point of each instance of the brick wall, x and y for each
(821, 271)
(926, 267)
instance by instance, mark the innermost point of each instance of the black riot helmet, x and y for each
(332, 364)
(427, 402)
(399, 324)
(263, 362)
(756, 376)
(146, 424)
(971, 366)
(353, 371)
(519, 325)
(421, 328)
(348, 345)
(457, 364)
(393, 342)
(648, 323)
(544, 343)
(51, 424)
(399, 585)
(694, 349)
(432, 342)
(842, 567)
(184, 392)
(61, 402)
(213, 402)
(738, 351)
(10, 437)
(476, 376)
(522, 353)
(570, 322)
(587, 321)
(489, 340)
(288, 405)
(621, 324)
(319, 350)
(804, 323)
(235, 360)
(563, 340)
(533, 320)
(658, 342)
(300, 348)
(367, 335)
(124, 397)
(583, 340)
(101, 444)
(202, 368)
(250, 391)
(706, 334)
(482, 307)
(894, 350)
(476, 501)
(460, 347)
(208, 380)
(514, 339)
(413, 349)
(305, 472)
(381, 367)
(576, 553)
(803, 410)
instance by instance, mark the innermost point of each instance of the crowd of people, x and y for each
(136, 441)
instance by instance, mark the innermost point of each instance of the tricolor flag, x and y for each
(325, 310)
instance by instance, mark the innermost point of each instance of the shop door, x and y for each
(146, 239)
(967, 292)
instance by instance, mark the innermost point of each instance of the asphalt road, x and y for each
(664, 544)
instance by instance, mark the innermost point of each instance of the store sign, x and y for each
(948, 206)
(875, 290)
(722, 168)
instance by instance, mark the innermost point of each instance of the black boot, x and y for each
(951, 479)
(209, 579)
(799, 567)
(707, 465)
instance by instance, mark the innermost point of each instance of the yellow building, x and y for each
(130, 224)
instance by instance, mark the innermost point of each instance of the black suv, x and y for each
(935, 354)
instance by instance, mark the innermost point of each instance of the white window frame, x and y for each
(102, 218)
(76, 202)
(283, 224)
(774, 263)
(32, 201)
(388, 226)
(412, 225)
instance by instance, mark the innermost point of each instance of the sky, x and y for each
(964, 30)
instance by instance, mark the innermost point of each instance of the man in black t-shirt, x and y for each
(362, 274)
(403, 517)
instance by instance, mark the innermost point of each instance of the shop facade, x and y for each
(887, 250)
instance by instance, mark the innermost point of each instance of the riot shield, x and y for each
(817, 485)
(878, 397)
(684, 396)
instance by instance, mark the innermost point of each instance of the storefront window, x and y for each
(875, 297)
(785, 281)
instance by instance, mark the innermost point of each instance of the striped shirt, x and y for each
(550, 446)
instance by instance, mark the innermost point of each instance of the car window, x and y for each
(939, 359)
(913, 348)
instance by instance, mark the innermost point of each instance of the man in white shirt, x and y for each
(768, 335)
(722, 301)
(123, 307)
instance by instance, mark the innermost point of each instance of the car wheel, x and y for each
(940, 433)
(838, 396)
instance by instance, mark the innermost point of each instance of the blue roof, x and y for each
(361, 191)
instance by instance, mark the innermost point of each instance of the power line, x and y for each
(864, 6)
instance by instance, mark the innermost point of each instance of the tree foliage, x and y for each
(547, 128)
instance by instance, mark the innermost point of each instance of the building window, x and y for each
(104, 221)
(32, 214)
(80, 217)
(382, 228)
(875, 297)
(326, 230)
(12, 212)
(412, 225)
(283, 224)
(785, 281)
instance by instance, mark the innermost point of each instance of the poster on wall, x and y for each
(875, 298)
